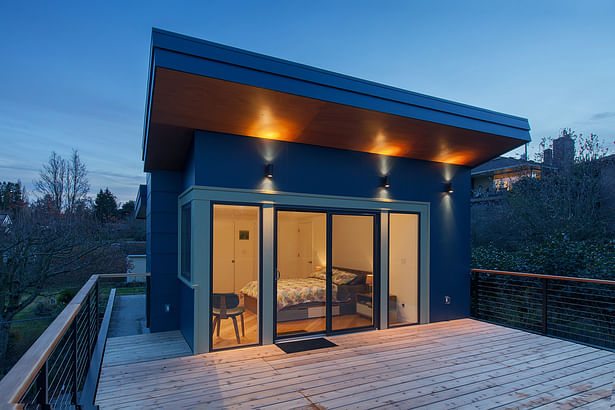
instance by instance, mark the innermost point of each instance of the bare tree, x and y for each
(77, 185)
(52, 180)
(39, 246)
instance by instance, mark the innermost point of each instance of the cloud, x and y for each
(602, 116)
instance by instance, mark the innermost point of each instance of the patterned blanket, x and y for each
(295, 291)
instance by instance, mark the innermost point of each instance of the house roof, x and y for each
(197, 84)
(501, 163)
(5, 219)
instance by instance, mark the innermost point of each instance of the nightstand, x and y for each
(364, 304)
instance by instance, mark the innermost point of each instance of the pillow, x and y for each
(319, 275)
(341, 277)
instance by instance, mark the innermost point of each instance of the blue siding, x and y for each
(238, 162)
(161, 231)
(186, 313)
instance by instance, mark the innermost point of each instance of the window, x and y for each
(186, 243)
(236, 267)
(403, 269)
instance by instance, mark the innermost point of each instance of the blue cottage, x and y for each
(285, 201)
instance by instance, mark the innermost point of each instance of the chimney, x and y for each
(547, 157)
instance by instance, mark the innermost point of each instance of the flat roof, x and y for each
(197, 84)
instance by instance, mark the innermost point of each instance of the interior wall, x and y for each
(404, 264)
(235, 261)
(319, 238)
(290, 259)
(287, 245)
(353, 242)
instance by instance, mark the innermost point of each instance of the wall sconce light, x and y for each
(448, 188)
(269, 170)
(385, 182)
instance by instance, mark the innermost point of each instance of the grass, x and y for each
(24, 333)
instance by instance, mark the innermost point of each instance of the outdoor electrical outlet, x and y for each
(447, 300)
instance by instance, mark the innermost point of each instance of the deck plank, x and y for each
(444, 365)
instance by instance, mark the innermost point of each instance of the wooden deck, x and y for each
(458, 364)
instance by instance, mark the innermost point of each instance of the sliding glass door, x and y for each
(324, 272)
(352, 271)
(301, 282)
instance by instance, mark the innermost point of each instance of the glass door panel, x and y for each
(403, 269)
(352, 256)
(235, 292)
(301, 291)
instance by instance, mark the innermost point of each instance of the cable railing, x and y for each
(576, 309)
(61, 368)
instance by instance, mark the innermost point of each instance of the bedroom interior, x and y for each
(301, 275)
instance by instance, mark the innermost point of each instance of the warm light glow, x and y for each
(460, 158)
(267, 186)
(270, 135)
(383, 194)
(271, 127)
(383, 146)
(390, 150)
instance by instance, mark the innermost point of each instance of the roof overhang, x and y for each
(141, 202)
(195, 84)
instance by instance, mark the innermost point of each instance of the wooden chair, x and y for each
(225, 306)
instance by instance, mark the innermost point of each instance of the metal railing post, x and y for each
(88, 312)
(42, 382)
(97, 307)
(544, 305)
(75, 370)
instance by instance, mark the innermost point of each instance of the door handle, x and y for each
(277, 275)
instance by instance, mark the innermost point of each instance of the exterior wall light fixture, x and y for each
(385, 182)
(448, 188)
(269, 170)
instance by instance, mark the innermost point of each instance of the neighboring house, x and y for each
(283, 200)
(491, 179)
(136, 264)
(499, 174)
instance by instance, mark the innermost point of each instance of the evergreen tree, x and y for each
(127, 210)
(105, 206)
(12, 196)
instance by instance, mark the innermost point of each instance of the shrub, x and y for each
(66, 296)
(555, 256)
(43, 309)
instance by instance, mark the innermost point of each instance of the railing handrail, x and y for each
(17, 381)
(536, 275)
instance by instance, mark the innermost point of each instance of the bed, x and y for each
(304, 298)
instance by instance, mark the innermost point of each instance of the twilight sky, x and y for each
(74, 75)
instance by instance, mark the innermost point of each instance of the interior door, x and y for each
(224, 262)
(245, 254)
(305, 248)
